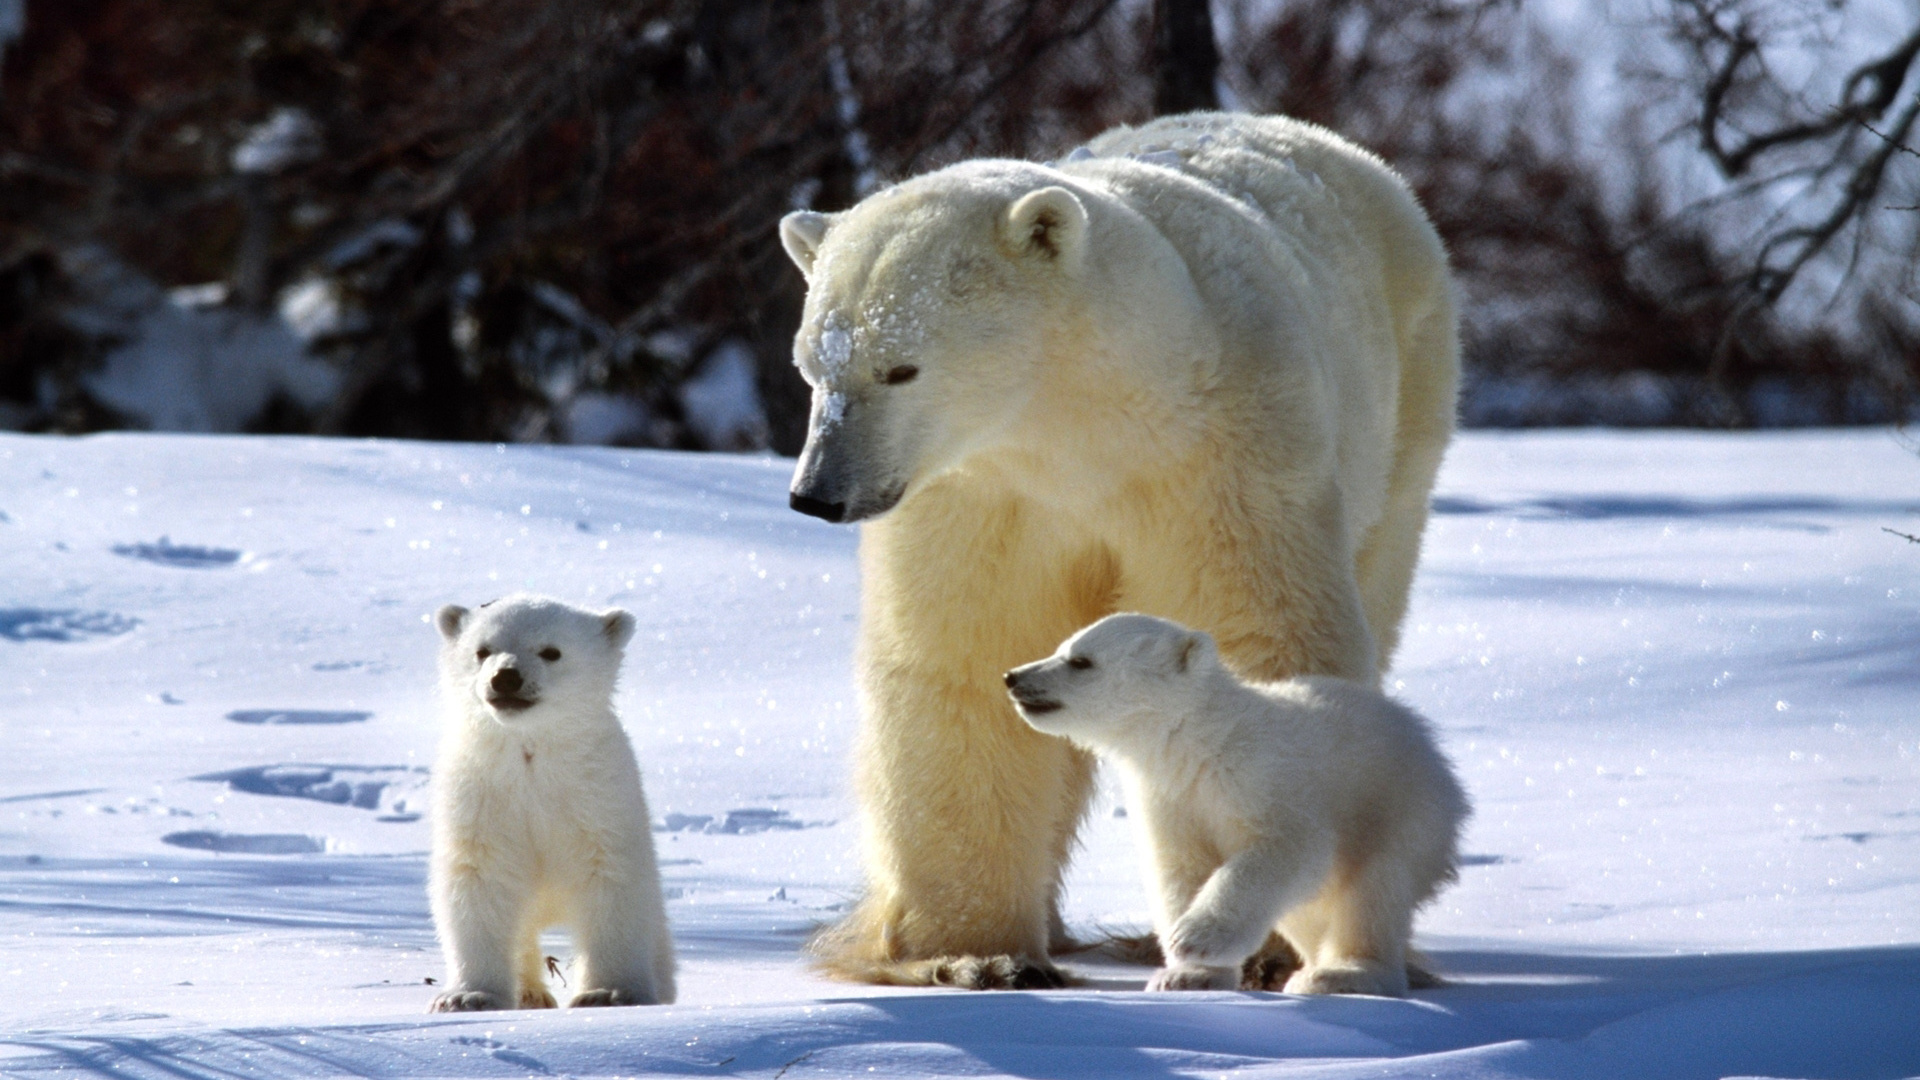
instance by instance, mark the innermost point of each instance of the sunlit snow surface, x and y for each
(1680, 674)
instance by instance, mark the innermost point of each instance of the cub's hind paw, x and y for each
(1348, 979)
(597, 998)
(1269, 968)
(1194, 977)
(537, 998)
(467, 1001)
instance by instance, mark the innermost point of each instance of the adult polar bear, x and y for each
(1203, 369)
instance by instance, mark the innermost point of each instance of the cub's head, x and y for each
(1104, 682)
(529, 658)
(927, 309)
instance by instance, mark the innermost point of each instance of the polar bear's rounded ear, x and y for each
(451, 620)
(1051, 223)
(1191, 650)
(801, 233)
(619, 627)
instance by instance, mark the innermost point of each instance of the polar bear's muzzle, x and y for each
(835, 512)
(832, 481)
(1029, 699)
(507, 691)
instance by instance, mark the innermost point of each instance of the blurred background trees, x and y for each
(478, 219)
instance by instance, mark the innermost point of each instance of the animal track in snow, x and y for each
(45, 624)
(297, 716)
(371, 667)
(395, 790)
(165, 552)
(741, 822)
(247, 843)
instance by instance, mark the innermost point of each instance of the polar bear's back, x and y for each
(1287, 168)
(1315, 260)
(1369, 752)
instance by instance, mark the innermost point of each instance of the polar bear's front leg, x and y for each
(617, 923)
(970, 815)
(478, 920)
(1279, 591)
(1231, 917)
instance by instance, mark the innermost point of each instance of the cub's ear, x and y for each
(801, 233)
(619, 627)
(1050, 223)
(451, 619)
(1191, 648)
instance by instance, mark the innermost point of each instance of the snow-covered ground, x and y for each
(1680, 674)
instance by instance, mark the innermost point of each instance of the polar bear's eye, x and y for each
(905, 373)
(483, 653)
(549, 654)
(1079, 663)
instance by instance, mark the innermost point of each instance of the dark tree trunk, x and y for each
(1185, 56)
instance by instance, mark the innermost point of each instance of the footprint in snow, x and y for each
(165, 552)
(247, 843)
(395, 790)
(47, 624)
(297, 716)
(742, 822)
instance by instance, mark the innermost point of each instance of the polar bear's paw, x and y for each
(1000, 972)
(617, 996)
(536, 997)
(467, 1001)
(1194, 977)
(1269, 968)
(1207, 941)
(1358, 977)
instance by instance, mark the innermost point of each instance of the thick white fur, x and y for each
(1315, 806)
(1205, 369)
(538, 814)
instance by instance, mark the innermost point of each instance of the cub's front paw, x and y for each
(467, 1001)
(1200, 941)
(1195, 977)
(596, 998)
(536, 998)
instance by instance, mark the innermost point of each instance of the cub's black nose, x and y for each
(506, 681)
(1013, 679)
(834, 512)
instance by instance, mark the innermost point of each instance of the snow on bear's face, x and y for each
(926, 310)
(528, 659)
(1111, 678)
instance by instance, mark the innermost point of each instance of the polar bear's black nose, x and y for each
(506, 681)
(1013, 679)
(834, 512)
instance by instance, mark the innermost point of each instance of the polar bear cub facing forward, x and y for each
(1313, 806)
(538, 814)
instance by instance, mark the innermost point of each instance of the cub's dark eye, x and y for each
(549, 654)
(1079, 663)
(905, 373)
(483, 653)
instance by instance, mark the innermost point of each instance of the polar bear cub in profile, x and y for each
(538, 814)
(1313, 806)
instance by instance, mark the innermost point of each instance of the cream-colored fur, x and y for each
(1313, 806)
(1204, 368)
(538, 814)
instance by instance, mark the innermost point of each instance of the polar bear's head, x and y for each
(530, 659)
(1106, 680)
(928, 309)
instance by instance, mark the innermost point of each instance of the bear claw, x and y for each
(997, 973)
(466, 1001)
